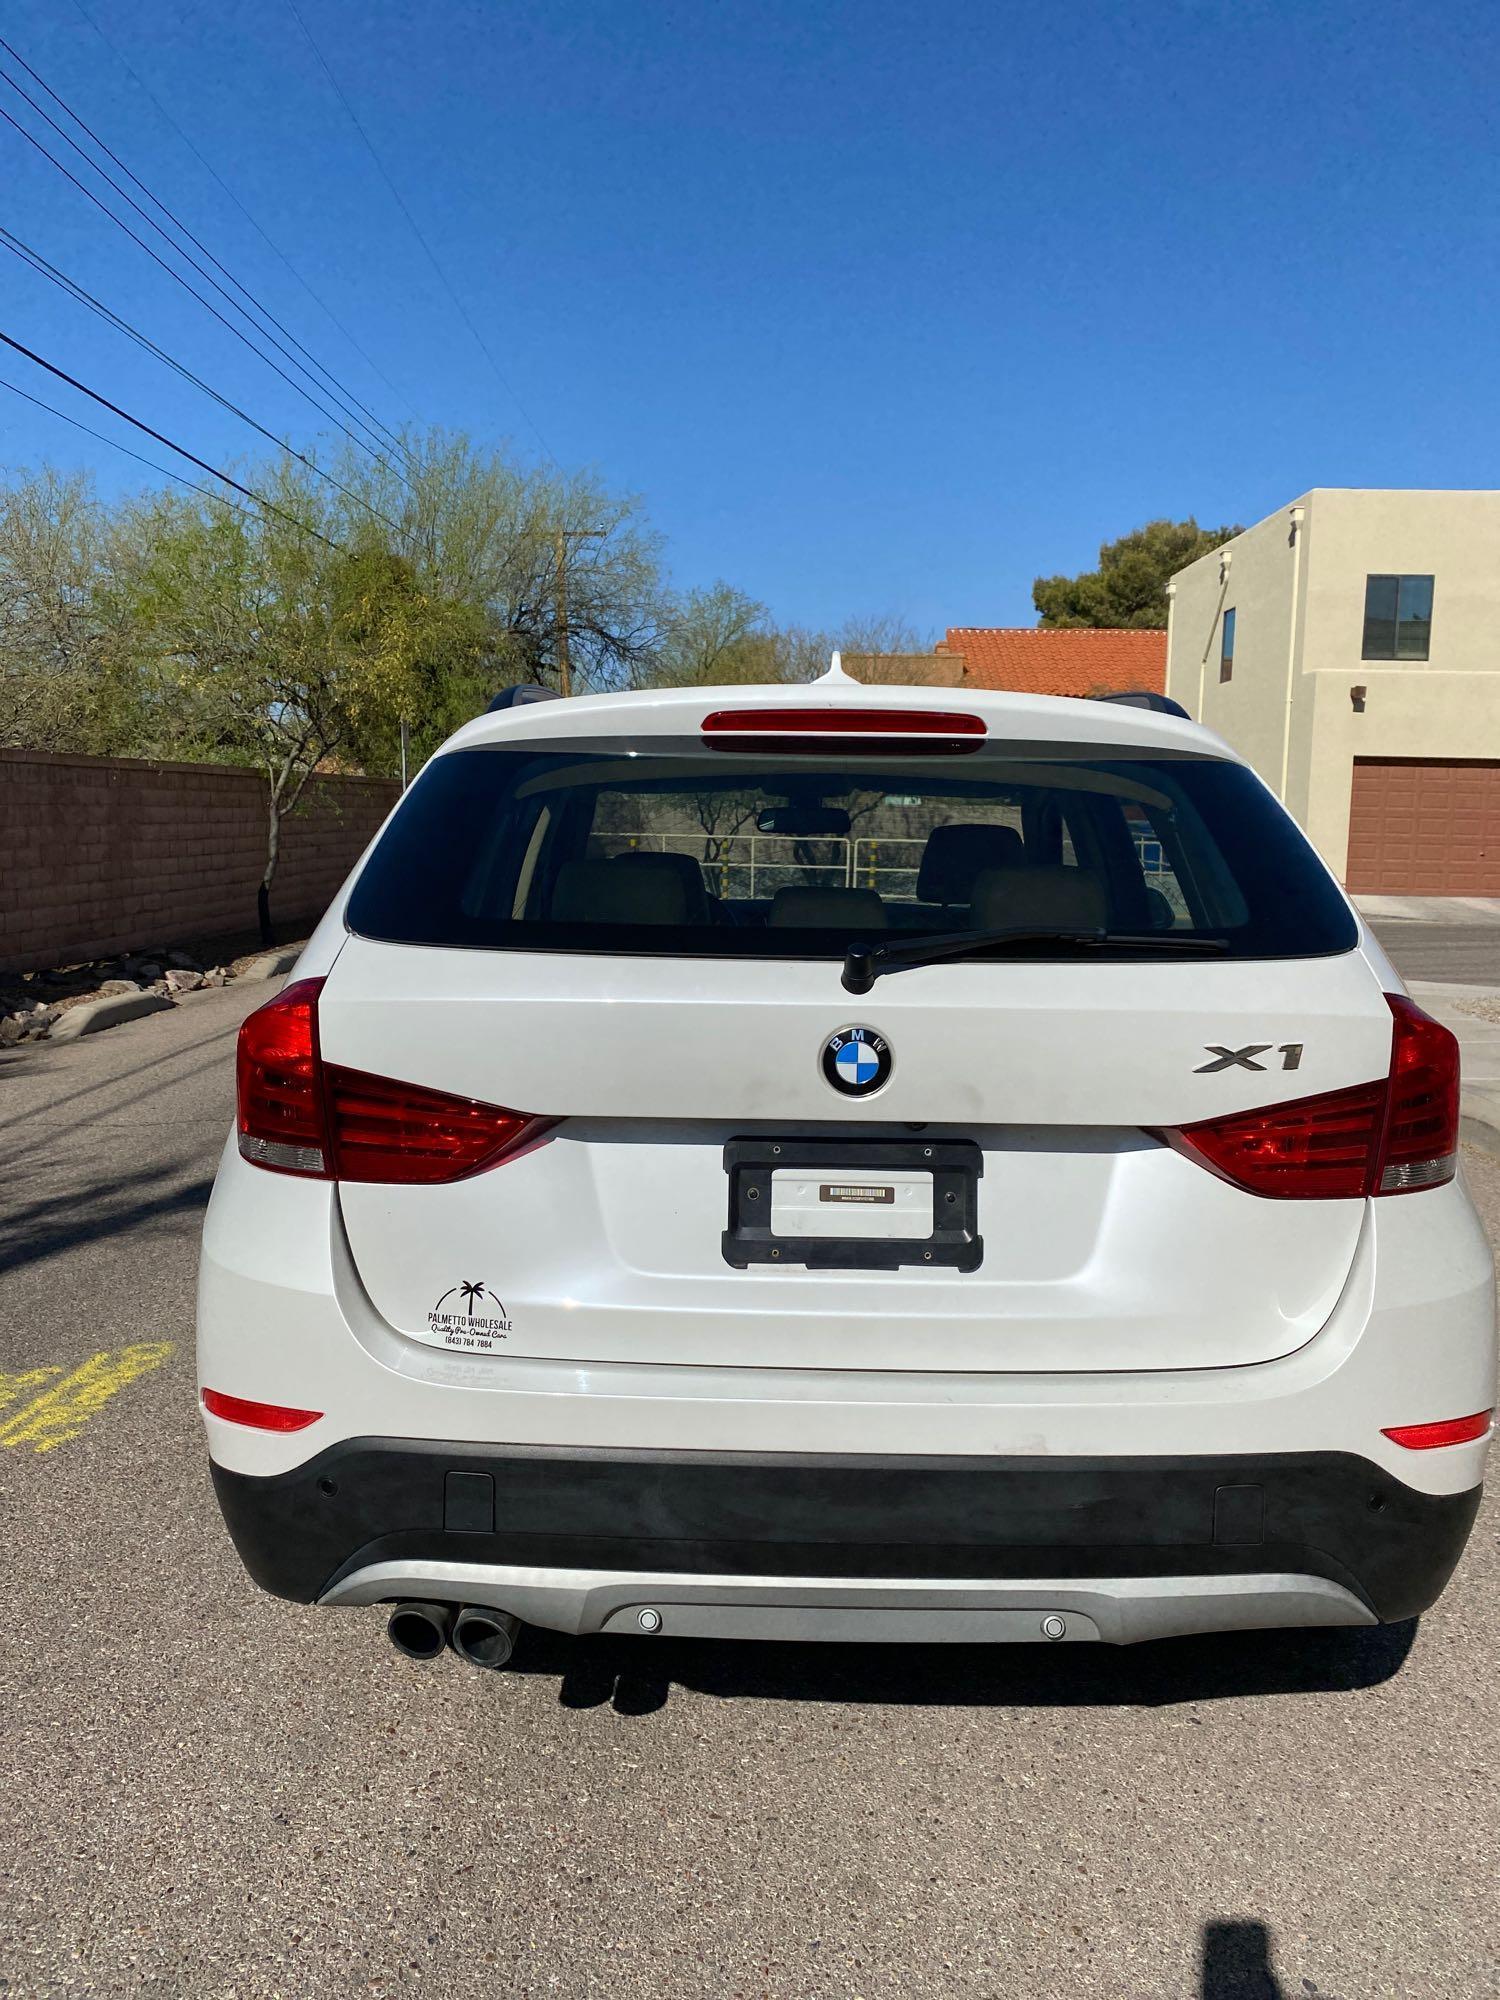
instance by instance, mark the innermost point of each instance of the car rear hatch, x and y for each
(1000, 1193)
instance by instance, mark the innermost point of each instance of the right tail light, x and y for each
(1395, 1136)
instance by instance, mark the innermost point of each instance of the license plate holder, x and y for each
(953, 1242)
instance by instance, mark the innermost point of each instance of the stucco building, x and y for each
(1349, 646)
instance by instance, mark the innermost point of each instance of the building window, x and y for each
(1398, 617)
(1226, 648)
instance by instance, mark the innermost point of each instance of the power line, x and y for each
(177, 276)
(208, 167)
(10, 241)
(83, 125)
(171, 444)
(104, 438)
(458, 304)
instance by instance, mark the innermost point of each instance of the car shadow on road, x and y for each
(32, 1231)
(636, 1676)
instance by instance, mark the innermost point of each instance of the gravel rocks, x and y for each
(26, 1023)
(38, 1004)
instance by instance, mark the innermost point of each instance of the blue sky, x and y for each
(881, 307)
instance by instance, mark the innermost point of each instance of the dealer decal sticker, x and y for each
(468, 1316)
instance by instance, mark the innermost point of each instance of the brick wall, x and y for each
(106, 854)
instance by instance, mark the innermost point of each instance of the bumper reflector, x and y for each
(1455, 1430)
(259, 1416)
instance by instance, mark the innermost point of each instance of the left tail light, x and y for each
(300, 1115)
(1395, 1136)
(279, 1084)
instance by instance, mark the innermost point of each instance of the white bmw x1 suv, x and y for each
(845, 1162)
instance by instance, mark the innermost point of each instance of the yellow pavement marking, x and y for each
(61, 1412)
(14, 1387)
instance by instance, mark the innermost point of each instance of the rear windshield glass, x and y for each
(666, 848)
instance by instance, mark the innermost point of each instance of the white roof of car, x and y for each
(680, 712)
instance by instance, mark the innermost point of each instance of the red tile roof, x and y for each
(1030, 660)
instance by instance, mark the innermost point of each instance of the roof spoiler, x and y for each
(1159, 704)
(520, 695)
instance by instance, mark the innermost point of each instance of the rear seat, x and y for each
(1047, 896)
(631, 889)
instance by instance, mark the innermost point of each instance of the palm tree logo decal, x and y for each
(470, 1294)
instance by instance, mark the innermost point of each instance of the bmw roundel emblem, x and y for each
(857, 1061)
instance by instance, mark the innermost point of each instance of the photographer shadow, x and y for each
(1236, 1963)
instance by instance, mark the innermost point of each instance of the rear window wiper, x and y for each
(864, 963)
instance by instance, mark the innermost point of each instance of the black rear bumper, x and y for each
(372, 1500)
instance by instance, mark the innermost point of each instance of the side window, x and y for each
(1226, 647)
(1398, 618)
(1166, 905)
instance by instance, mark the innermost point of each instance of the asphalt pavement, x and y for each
(204, 1791)
(1464, 954)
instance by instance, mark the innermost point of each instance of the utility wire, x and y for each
(208, 167)
(207, 304)
(10, 241)
(151, 221)
(104, 438)
(177, 276)
(161, 438)
(458, 304)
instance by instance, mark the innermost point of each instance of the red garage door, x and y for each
(1422, 827)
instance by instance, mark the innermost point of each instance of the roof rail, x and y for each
(520, 695)
(1159, 704)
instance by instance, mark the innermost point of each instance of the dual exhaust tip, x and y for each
(483, 1637)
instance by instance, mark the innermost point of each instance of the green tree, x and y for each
(56, 551)
(233, 640)
(1129, 588)
(478, 528)
(717, 637)
(304, 638)
(428, 660)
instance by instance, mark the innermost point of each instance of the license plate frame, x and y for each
(956, 1166)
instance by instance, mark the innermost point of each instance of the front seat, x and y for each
(955, 857)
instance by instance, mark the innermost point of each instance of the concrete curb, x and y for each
(91, 1015)
(1479, 911)
(270, 964)
(1479, 1133)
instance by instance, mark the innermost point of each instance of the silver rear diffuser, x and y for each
(1116, 1610)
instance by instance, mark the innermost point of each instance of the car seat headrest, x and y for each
(956, 855)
